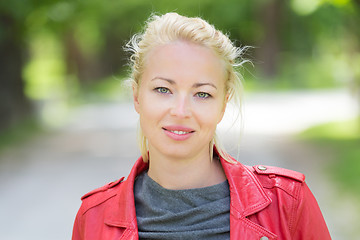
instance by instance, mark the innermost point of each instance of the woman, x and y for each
(185, 186)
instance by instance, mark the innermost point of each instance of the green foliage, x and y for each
(107, 90)
(348, 130)
(341, 140)
(307, 26)
(44, 75)
(70, 45)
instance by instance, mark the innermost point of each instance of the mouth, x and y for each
(178, 129)
(178, 132)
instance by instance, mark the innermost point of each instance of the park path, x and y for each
(41, 180)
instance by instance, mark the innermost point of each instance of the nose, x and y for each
(181, 107)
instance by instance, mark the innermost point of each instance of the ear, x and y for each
(135, 89)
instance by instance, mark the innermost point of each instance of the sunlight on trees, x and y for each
(65, 47)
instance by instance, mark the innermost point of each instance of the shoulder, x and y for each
(100, 195)
(102, 189)
(271, 171)
(278, 178)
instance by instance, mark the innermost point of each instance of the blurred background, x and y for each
(67, 125)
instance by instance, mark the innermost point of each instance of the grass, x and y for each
(342, 141)
(19, 133)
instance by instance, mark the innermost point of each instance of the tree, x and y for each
(14, 105)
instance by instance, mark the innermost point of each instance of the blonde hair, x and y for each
(171, 27)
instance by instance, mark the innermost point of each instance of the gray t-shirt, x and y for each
(200, 213)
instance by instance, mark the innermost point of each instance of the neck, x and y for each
(185, 173)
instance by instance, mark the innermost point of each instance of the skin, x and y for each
(182, 88)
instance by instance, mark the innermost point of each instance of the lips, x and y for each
(178, 133)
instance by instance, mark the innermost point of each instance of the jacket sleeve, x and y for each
(308, 220)
(77, 233)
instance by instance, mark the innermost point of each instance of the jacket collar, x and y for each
(246, 194)
(121, 216)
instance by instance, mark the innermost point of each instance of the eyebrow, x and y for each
(196, 85)
(172, 82)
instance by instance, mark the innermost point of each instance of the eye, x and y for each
(162, 90)
(203, 95)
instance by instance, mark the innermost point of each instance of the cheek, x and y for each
(210, 115)
(148, 119)
(150, 108)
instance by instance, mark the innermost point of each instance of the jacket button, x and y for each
(264, 238)
(262, 168)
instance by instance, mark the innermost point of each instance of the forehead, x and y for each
(184, 60)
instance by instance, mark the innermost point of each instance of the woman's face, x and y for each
(181, 99)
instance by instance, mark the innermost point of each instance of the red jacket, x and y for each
(266, 203)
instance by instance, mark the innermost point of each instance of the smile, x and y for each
(179, 132)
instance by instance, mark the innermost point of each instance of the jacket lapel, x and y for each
(122, 213)
(247, 197)
(246, 193)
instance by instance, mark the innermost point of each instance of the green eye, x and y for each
(162, 90)
(203, 95)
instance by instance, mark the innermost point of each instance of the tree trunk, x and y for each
(88, 69)
(268, 50)
(14, 106)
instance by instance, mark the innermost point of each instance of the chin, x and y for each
(177, 154)
(176, 151)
